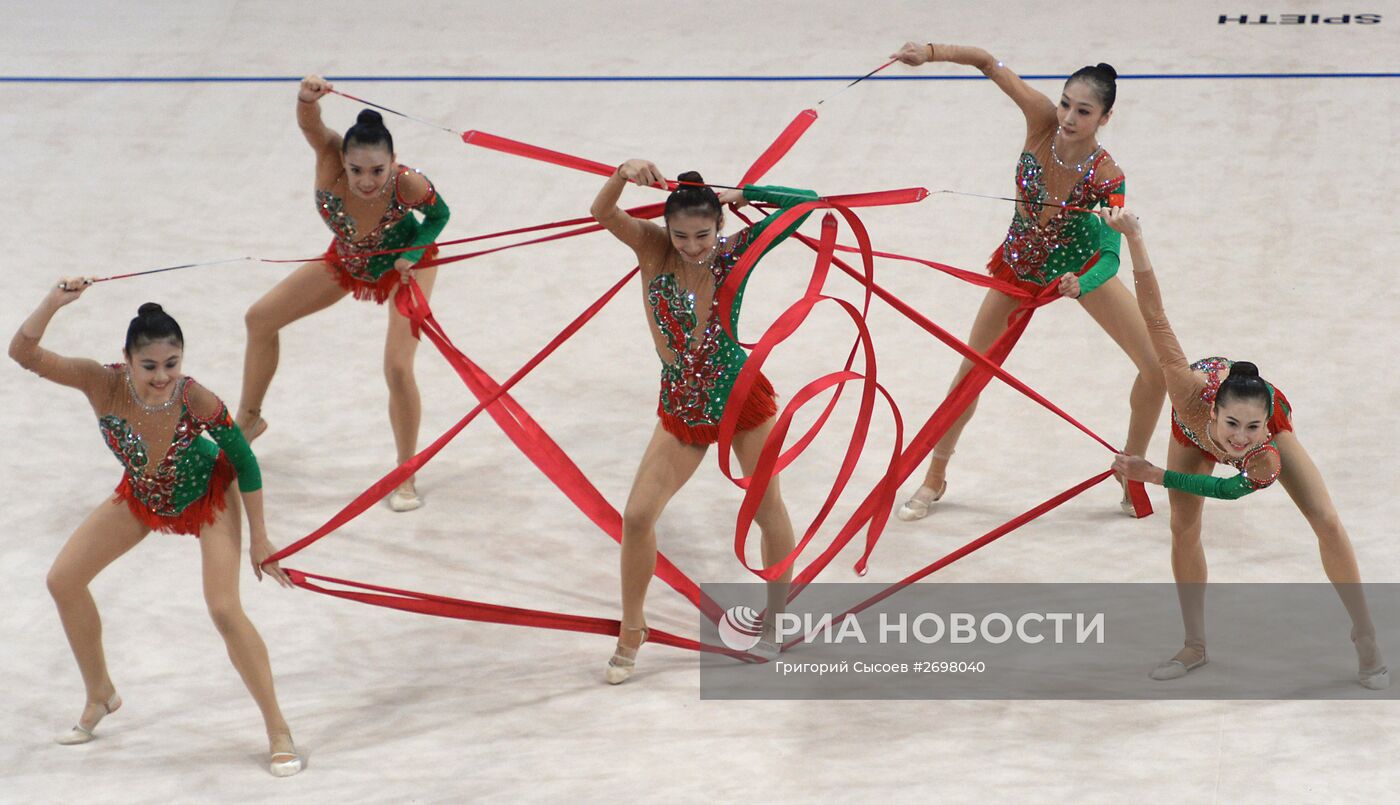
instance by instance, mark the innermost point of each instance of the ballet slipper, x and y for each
(1378, 677)
(1126, 504)
(1175, 668)
(81, 734)
(917, 508)
(285, 764)
(624, 659)
(405, 498)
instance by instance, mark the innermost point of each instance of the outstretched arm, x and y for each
(782, 197)
(1261, 469)
(80, 373)
(1038, 109)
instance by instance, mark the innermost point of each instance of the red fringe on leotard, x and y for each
(1281, 421)
(758, 408)
(1000, 269)
(364, 290)
(195, 516)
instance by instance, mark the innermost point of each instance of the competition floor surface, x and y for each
(1265, 196)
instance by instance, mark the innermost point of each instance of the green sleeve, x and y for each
(1108, 243)
(1208, 486)
(435, 215)
(785, 198)
(229, 437)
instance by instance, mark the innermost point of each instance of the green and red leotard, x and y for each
(698, 369)
(1045, 240)
(350, 256)
(1192, 388)
(175, 480)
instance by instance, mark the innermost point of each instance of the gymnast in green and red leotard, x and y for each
(154, 418)
(1223, 412)
(683, 265)
(1052, 242)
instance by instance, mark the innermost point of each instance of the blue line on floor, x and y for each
(548, 79)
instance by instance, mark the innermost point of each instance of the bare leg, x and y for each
(306, 290)
(107, 533)
(1188, 557)
(1303, 482)
(773, 521)
(666, 465)
(405, 404)
(219, 545)
(989, 325)
(1116, 311)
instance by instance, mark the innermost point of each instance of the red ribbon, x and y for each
(780, 146)
(531, 439)
(517, 148)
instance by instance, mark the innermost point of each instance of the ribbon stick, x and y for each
(857, 81)
(404, 115)
(1115, 200)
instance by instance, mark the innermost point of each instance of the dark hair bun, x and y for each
(1108, 71)
(694, 196)
(152, 323)
(369, 130)
(1243, 369)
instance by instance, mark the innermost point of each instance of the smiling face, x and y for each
(694, 234)
(1239, 426)
(155, 367)
(368, 168)
(1081, 112)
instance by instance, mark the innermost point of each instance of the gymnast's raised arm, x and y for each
(83, 374)
(1038, 109)
(634, 232)
(1176, 369)
(320, 136)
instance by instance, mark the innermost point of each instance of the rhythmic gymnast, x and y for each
(1224, 412)
(152, 418)
(683, 265)
(1061, 164)
(367, 199)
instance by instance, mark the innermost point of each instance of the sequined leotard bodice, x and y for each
(1045, 240)
(136, 433)
(167, 463)
(699, 360)
(397, 228)
(699, 371)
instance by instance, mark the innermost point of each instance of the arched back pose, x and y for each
(175, 481)
(1223, 412)
(683, 265)
(367, 199)
(1061, 163)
